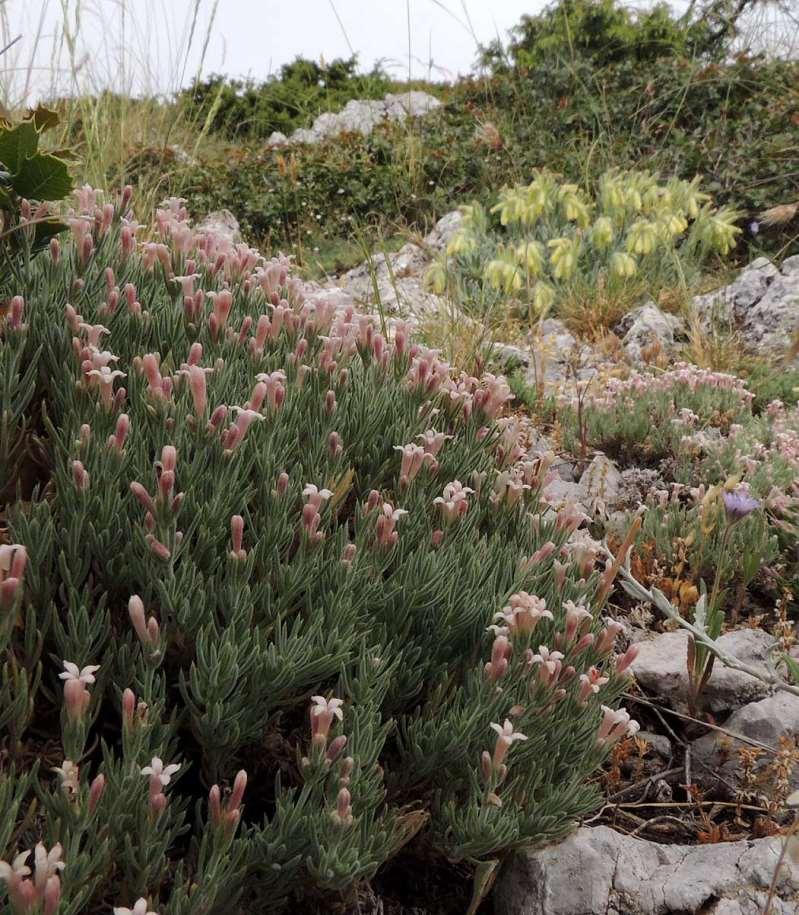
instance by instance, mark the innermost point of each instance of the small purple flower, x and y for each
(754, 227)
(738, 504)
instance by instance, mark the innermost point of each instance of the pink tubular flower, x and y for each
(117, 441)
(501, 650)
(590, 684)
(614, 725)
(607, 638)
(316, 497)
(550, 665)
(523, 612)
(147, 630)
(506, 737)
(454, 502)
(413, 459)
(199, 391)
(343, 812)
(275, 383)
(624, 661)
(13, 559)
(104, 379)
(96, 790)
(227, 815)
(139, 908)
(80, 476)
(387, 520)
(160, 776)
(237, 538)
(76, 695)
(577, 617)
(323, 711)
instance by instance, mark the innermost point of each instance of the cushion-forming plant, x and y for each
(277, 595)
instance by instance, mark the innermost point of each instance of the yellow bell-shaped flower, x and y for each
(563, 257)
(435, 280)
(530, 255)
(622, 265)
(543, 297)
(461, 243)
(602, 233)
(642, 237)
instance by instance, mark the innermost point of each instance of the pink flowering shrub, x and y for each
(645, 417)
(277, 598)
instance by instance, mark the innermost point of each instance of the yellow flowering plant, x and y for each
(551, 241)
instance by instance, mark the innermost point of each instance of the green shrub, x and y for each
(601, 31)
(248, 513)
(292, 98)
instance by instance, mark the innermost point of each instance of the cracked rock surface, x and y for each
(598, 871)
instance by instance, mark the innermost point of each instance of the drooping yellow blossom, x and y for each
(602, 233)
(674, 224)
(510, 206)
(575, 209)
(622, 265)
(642, 237)
(461, 243)
(543, 297)
(474, 217)
(530, 256)
(563, 257)
(435, 280)
(501, 273)
(717, 229)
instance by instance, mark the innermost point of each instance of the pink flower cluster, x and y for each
(42, 893)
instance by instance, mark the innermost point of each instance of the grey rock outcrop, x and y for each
(762, 304)
(360, 116)
(396, 280)
(600, 872)
(221, 222)
(648, 326)
(661, 669)
(767, 722)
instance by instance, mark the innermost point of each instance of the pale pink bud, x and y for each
(349, 554)
(337, 745)
(128, 706)
(55, 250)
(96, 792)
(334, 446)
(117, 440)
(282, 483)
(197, 384)
(52, 895)
(217, 418)
(143, 496)
(237, 537)
(330, 403)
(625, 660)
(80, 476)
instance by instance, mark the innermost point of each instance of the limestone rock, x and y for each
(646, 326)
(600, 872)
(661, 670)
(771, 322)
(360, 116)
(731, 303)
(221, 222)
(601, 484)
(765, 721)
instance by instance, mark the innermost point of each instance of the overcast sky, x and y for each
(246, 37)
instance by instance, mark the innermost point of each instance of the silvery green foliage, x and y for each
(257, 533)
